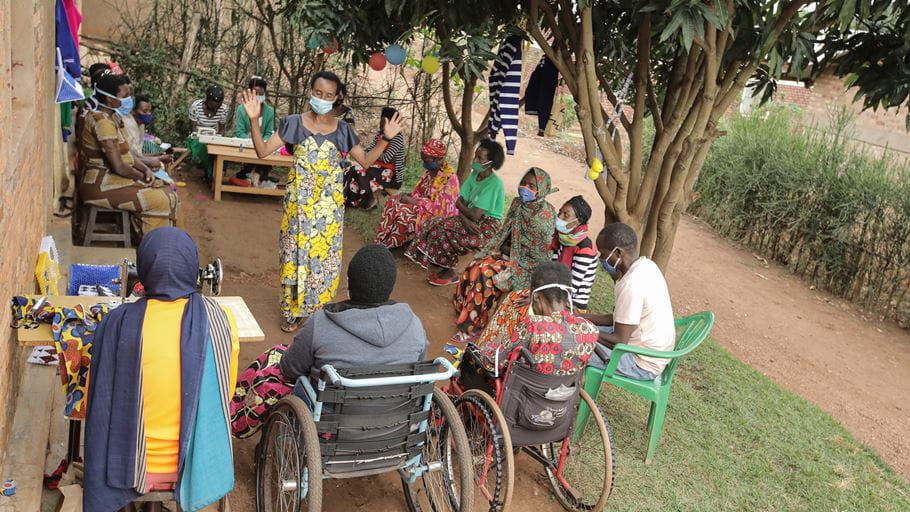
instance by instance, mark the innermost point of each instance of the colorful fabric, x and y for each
(562, 343)
(505, 87)
(581, 259)
(434, 148)
(477, 294)
(441, 240)
(488, 194)
(529, 228)
(152, 205)
(435, 197)
(313, 222)
(258, 389)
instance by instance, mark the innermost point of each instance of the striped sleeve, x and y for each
(584, 269)
(396, 147)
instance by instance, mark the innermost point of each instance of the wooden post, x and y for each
(188, 51)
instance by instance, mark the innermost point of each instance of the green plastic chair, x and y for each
(691, 331)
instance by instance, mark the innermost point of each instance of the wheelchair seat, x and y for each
(539, 408)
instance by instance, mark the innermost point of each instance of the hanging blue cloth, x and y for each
(66, 42)
(541, 90)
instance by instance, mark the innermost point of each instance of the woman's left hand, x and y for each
(393, 126)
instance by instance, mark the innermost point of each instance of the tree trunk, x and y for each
(465, 155)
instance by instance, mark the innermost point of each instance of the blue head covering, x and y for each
(168, 264)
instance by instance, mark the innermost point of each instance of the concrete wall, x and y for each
(27, 84)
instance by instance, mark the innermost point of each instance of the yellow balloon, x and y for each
(597, 168)
(430, 64)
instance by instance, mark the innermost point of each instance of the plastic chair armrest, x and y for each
(622, 348)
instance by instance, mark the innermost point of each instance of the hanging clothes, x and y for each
(73, 17)
(505, 88)
(66, 42)
(540, 92)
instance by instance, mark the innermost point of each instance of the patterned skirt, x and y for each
(152, 206)
(476, 295)
(259, 388)
(507, 323)
(441, 240)
(398, 224)
(361, 184)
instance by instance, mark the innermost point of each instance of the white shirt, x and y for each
(642, 299)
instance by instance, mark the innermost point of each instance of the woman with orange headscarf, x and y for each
(434, 196)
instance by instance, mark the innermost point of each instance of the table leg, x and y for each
(218, 177)
(74, 441)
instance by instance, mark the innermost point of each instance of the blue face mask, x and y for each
(562, 226)
(526, 194)
(145, 119)
(605, 263)
(431, 166)
(320, 106)
(126, 104)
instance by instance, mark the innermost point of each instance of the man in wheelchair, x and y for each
(367, 329)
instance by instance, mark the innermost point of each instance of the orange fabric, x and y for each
(161, 381)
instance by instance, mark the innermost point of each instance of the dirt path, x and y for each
(815, 346)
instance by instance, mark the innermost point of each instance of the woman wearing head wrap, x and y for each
(507, 260)
(573, 248)
(163, 369)
(109, 175)
(434, 196)
(363, 183)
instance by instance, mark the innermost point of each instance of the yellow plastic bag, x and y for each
(47, 270)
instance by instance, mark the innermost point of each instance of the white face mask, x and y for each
(562, 287)
(260, 99)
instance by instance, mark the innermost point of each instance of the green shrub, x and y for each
(808, 199)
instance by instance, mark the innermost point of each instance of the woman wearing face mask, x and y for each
(256, 174)
(480, 207)
(312, 226)
(109, 175)
(507, 260)
(561, 341)
(573, 248)
(362, 184)
(434, 196)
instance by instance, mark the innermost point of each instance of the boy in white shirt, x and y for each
(642, 313)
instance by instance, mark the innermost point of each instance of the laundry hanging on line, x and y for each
(541, 91)
(505, 89)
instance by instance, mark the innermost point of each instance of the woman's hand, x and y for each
(393, 126)
(469, 225)
(148, 176)
(252, 106)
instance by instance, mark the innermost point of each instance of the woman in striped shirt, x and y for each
(573, 248)
(361, 184)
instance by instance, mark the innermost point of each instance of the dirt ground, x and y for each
(819, 347)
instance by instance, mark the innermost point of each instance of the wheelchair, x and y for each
(520, 410)
(366, 421)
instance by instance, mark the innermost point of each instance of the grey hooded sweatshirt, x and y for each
(350, 336)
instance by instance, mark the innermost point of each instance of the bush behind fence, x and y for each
(809, 200)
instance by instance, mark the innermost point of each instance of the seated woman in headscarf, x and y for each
(434, 196)
(162, 373)
(362, 184)
(109, 176)
(480, 205)
(573, 248)
(507, 260)
(561, 341)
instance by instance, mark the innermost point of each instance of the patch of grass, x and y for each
(735, 440)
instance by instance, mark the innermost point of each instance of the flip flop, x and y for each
(435, 280)
(290, 326)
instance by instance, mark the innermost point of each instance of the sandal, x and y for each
(290, 326)
(435, 280)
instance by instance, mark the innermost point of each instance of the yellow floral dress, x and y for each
(312, 226)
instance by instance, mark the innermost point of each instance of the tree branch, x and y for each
(555, 57)
(447, 98)
(642, 78)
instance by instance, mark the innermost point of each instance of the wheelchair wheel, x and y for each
(448, 484)
(492, 459)
(288, 460)
(588, 465)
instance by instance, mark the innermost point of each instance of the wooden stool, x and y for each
(117, 229)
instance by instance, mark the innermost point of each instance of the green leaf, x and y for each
(688, 32)
(847, 11)
(672, 27)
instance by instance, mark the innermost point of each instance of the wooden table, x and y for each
(247, 327)
(244, 155)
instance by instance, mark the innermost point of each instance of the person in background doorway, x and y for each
(362, 185)
(573, 248)
(256, 174)
(642, 312)
(480, 205)
(434, 196)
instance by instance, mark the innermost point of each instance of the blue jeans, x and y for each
(627, 366)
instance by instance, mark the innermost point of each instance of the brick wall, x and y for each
(27, 84)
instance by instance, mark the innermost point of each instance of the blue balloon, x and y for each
(395, 54)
